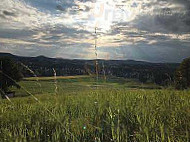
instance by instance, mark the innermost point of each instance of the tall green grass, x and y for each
(98, 115)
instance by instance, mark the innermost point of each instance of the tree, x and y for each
(182, 75)
(9, 75)
(143, 77)
(162, 78)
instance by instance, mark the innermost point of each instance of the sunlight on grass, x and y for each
(111, 112)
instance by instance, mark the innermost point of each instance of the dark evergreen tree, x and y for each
(182, 75)
(9, 71)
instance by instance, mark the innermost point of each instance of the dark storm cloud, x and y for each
(5, 13)
(59, 7)
(175, 23)
(8, 13)
(165, 18)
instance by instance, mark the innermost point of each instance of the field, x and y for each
(80, 109)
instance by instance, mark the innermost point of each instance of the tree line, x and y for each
(12, 71)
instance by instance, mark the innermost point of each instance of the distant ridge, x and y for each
(114, 61)
(43, 66)
(6, 54)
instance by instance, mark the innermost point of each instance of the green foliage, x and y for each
(182, 76)
(143, 77)
(159, 73)
(8, 72)
(107, 115)
(110, 112)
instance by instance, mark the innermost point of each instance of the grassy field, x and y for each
(79, 109)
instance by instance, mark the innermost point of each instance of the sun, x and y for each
(107, 13)
(104, 14)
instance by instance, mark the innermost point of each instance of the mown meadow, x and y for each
(80, 109)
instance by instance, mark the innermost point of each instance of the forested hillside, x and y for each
(159, 73)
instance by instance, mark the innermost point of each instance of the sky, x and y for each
(146, 30)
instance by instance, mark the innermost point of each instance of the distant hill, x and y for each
(43, 66)
(113, 62)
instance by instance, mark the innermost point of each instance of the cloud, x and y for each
(156, 30)
(8, 13)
